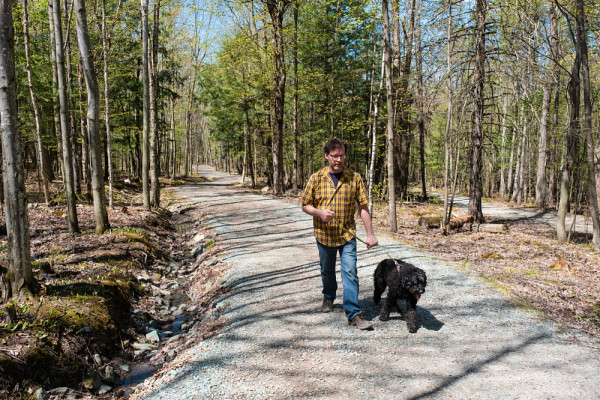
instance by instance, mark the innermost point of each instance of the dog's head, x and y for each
(415, 282)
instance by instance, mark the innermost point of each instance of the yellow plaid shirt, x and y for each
(318, 193)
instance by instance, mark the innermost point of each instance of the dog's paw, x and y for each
(384, 317)
(412, 329)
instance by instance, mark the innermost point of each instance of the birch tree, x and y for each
(93, 118)
(19, 279)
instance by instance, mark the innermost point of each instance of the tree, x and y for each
(475, 185)
(276, 11)
(582, 49)
(41, 154)
(19, 279)
(390, 119)
(105, 50)
(93, 118)
(154, 131)
(68, 178)
(145, 109)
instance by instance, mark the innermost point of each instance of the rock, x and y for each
(85, 329)
(198, 237)
(266, 189)
(143, 276)
(124, 367)
(175, 338)
(98, 359)
(143, 346)
(153, 336)
(109, 374)
(64, 393)
(192, 310)
(196, 251)
(104, 389)
(185, 327)
(41, 394)
(93, 382)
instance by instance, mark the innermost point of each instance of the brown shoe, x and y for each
(360, 323)
(327, 305)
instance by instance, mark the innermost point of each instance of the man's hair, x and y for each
(333, 144)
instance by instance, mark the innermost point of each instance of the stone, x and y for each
(153, 336)
(93, 381)
(109, 374)
(97, 359)
(104, 389)
(143, 346)
(41, 394)
(198, 237)
(124, 367)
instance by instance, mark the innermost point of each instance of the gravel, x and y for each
(474, 341)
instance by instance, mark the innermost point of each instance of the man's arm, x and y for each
(366, 217)
(325, 215)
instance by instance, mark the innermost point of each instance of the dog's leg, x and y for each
(388, 307)
(378, 284)
(411, 315)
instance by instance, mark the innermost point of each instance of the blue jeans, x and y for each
(327, 258)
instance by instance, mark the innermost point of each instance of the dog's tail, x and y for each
(378, 283)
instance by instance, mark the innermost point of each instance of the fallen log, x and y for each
(430, 222)
(491, 228)
(459, 222)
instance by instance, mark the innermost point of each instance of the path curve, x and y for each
(526, 214)
(472, 343)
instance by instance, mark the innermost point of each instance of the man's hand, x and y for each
(371, 241)
(327, 216)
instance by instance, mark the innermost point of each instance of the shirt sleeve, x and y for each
(361, 196)
(308, 196)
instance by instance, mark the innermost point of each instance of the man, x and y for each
(330, 197)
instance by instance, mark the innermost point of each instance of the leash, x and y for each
(334, 221)
(365, 243)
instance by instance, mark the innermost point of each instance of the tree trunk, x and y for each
(390, 121)
(503, 150)
(64, 119)
(476, 150)
(374, 134)
(295, 100)
(448, 131)
(573, 96)
(421, 106)
(105, 50)
(582, 49)
(403, 109)
(154, 133)
(72, 123)
(19, 279)
(85, 144)
(145, 109)
(93, 118)
(276, 11)
(41, 154)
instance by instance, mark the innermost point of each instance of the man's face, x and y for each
(336, 159)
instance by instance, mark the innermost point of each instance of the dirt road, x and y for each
(473, 343)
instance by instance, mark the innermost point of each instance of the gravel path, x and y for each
(473, 342)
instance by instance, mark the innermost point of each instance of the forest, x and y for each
(105, 105)
(485, 98)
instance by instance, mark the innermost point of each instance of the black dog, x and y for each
(405, 281)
